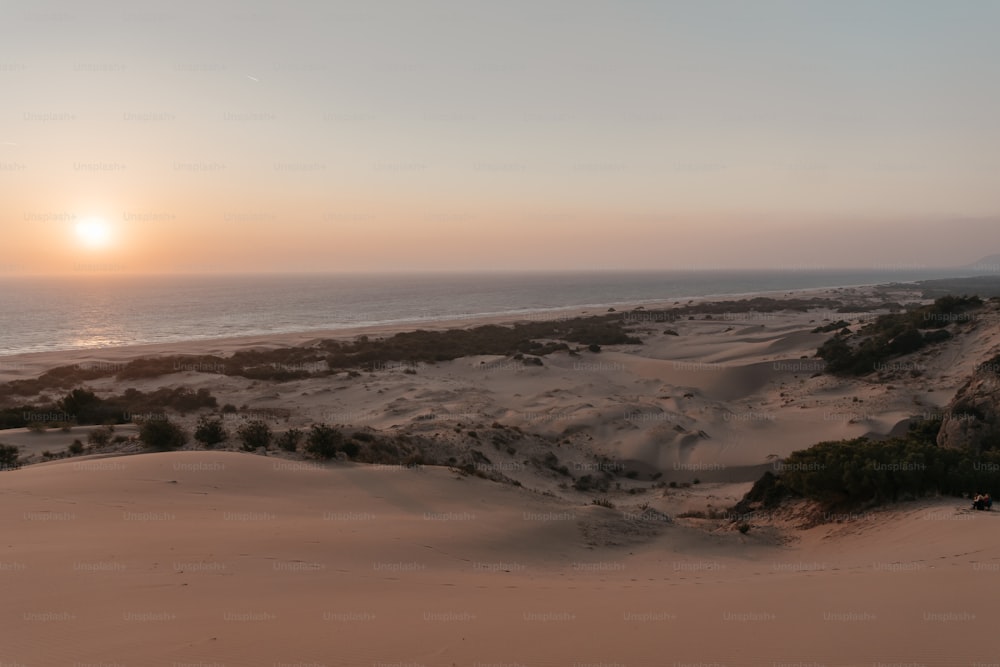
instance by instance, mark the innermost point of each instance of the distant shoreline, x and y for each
(276, 311)
(28, 364)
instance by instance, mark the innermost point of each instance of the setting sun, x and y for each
(93, 232)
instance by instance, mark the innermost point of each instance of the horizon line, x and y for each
(978, 268)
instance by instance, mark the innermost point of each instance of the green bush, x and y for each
(894, 335)
(100, 437)
(16, 417)
(254, 434)
(351, 448)
(864, 472)
(85, 407)
(76, 448)
(88, 408)
(289, 440)
(833, 326)
(9, 457)
(936, 336)
(162, 435)
(210, 431)
(323, 441)
(589, 483)
(490, 339)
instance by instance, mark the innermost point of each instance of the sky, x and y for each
(372, 136)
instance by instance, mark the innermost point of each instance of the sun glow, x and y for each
(93, 233)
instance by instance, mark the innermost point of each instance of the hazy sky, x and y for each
(410, 135)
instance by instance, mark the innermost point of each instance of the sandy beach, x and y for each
(233, 558)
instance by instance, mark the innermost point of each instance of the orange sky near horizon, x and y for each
(378, 136)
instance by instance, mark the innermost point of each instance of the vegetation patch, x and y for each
(858, 473)
(894, 335)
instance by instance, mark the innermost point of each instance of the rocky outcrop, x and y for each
(972, 419)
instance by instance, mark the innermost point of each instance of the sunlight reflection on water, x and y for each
(53, 313)
(97, 341)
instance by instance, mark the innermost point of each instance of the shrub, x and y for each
(350, 448)
(289, 440)
(185, 400)
(9, 457)
(925, 430)
(387, 451)
(910, 340)
(936, 336)
(603, 502)
(210, 431)
(589, 482)
(414, 460)
(15, 417)
(88, 408)
(432, 346)
(894, 335)
(162, 435)
(861, 472)
(323, 441)
(76, 448)
(100, 437)
(254, 434)
(833, 326)
(81, 403)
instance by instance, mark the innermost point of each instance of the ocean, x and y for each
(40, 314)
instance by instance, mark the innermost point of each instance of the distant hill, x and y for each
(988, 264)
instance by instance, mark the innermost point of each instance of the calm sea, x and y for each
(41, 314)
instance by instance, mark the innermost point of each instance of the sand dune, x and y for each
(728, 392)
(227, 558)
